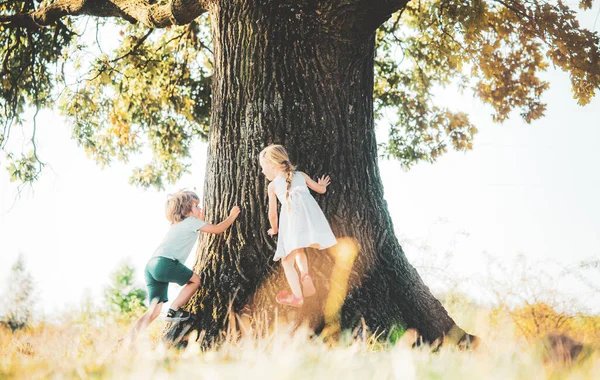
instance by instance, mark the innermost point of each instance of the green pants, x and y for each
(162, 270)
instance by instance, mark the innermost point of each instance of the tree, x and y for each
(19, 298)
(122, 295)
(304, 74)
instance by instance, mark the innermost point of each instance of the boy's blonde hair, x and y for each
(277, 155)
(180, 205)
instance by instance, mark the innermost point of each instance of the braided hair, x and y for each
(278, 156)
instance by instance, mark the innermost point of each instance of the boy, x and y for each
(166, 264)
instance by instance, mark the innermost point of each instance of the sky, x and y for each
(525, 192)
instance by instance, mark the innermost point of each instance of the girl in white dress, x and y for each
(301, 222)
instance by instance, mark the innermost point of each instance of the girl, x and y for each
(301, 221)
(166, 264)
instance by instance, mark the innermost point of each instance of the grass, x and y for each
(84, 347)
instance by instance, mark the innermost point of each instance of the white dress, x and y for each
(302, 224)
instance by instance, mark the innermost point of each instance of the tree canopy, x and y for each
(149, 86)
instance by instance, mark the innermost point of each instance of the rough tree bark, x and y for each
(299, 73)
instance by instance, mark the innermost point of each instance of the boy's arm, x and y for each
(273, 219)
(221, 227)
(320, 187)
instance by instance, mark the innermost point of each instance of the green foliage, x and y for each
(396, 332)
(26, 79)
(495, 49)
(24, 168)
(122, 295)
(19, 297)
(153, 88)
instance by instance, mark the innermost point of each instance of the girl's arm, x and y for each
(272, 210)
(221, 227)
(321, 186)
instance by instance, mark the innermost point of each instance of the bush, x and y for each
(122, 296)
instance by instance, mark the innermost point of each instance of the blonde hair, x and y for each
(277, 156)
(180, 205)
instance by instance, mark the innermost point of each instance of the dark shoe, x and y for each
(179, 315)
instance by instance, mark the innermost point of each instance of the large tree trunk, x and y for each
(302, 77)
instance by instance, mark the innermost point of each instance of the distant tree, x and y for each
(19, 299)
(123, 295)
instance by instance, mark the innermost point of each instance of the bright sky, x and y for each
(523, 189)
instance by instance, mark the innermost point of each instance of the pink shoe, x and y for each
(287, 298)
(308, 286)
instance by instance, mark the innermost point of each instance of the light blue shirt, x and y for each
(180, 239)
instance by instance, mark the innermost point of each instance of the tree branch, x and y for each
(139, 43)
(175, 12)
(365, 14)
(384, 8)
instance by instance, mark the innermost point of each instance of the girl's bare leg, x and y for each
(291, 275)
(308, 287)
(302, 262)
